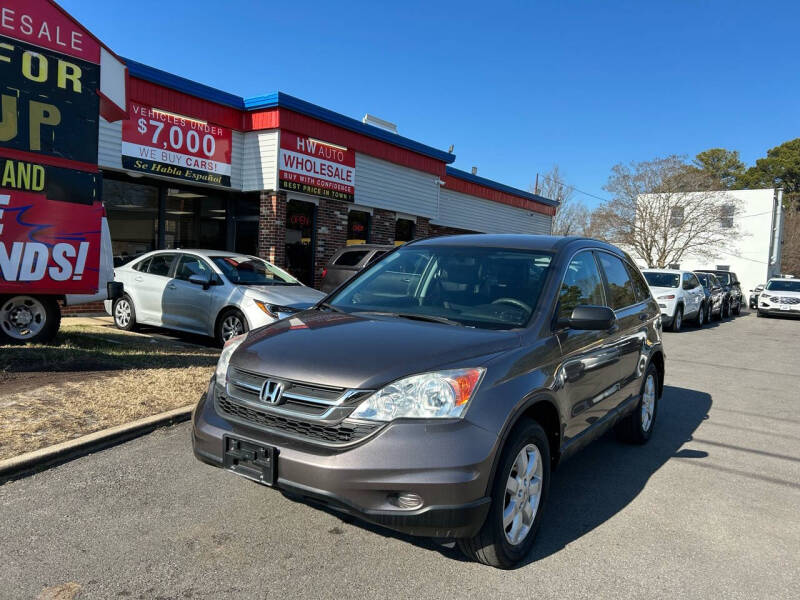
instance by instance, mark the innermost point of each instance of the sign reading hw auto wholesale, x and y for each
(317, 168)
(162, 143)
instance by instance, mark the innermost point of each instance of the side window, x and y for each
(640, 288)
(350, 259)
(142, 265)
(160, 264)
(192, 265)
(582, 285)
(693, 280)
(688, 284)
(620, 287)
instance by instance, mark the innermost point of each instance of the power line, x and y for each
(573, 188)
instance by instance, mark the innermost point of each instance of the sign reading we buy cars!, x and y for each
(162, 143)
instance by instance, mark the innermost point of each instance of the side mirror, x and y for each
(201, 279)
(595, 318)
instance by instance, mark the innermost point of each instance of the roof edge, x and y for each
(500, 187)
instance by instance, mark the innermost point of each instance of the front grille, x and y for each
(787, 300)
(301, 398)
(341, 434)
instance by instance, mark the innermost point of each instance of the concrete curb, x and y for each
(44, 458)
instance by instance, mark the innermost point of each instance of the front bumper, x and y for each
(766, 308)
(447, 464)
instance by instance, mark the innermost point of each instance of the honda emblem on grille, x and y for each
(271, 391)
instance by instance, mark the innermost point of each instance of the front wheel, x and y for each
(230, 324)
(738, 308)
(28, 319)
(726, 310)
(677, 320)
(519, 492)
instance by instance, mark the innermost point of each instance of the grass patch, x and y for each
(99, 348)
(90, 378)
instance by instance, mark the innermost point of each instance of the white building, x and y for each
(755, 253)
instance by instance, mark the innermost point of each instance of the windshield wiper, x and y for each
(415, 317)
(322, 305)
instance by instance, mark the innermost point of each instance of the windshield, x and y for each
(783, 286)
(248, 270)
(490, 288)
(656, 279)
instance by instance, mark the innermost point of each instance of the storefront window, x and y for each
(132, 211)
(357, 227)
(194, 219)
(299, 240)
(403, 231)
(246, 209)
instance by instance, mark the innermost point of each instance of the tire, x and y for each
(28, 319)
(760, 314)
(492, 545)
(637, 427)
(677, 320)
(738, 310)
(124, 313)
(227, 328)
(701, 317)
(726, 310)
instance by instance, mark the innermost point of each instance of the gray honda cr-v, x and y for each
(434, 393)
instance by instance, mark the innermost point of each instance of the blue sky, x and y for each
(516, 86)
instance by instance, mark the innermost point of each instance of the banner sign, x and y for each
(315, 167)
(47, 246)
(162, 143)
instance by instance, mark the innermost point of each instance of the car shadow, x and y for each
(597, 483)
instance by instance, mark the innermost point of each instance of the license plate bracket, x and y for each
(250, 460)
(785, 307)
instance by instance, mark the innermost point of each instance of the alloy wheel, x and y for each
(523, 494)
(648, 402)
(231, 327)
(122, 313)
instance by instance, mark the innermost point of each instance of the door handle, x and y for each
(138, 278)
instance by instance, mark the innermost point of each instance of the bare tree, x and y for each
(572, 216)
(657, 214)
(790, 253)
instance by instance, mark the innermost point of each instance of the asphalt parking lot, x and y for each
(709, 509)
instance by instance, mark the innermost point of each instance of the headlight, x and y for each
(228, 349)
(274, 311)
(442, 394)
(667, 297)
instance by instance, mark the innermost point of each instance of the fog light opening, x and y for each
(406, 500)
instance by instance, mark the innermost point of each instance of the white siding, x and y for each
(260, 160)
(476, 214)
(389, 186)
(237, 160)
(109, 147)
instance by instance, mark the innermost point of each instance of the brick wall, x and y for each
(436, 230)
(331, 233)
(383, 223)
(423, 228)
(83, 309)
(272, 228)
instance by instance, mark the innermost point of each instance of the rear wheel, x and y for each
(637, 427)
(29, 319)
(519, 492)
(230, 324)
(701, 316)
(726, 310)
(124, 313)
(738, 308)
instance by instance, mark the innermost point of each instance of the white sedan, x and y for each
(210, 292)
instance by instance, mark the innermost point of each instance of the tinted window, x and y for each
(704, 279)
(619, 282)
(582, 285)
(489, 288)
(160, 264)
(656, 279)
(192, 265)
(142, 265)
(639, 284)
(351, 258)
(693, 281)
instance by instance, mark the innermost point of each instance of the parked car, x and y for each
(348, 261)
(732, 303)
(680, 296)
(754, 294)
(214, 293)
(435, 391)
(781, 296)
(715, 295)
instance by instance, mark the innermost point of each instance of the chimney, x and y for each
(474, 170)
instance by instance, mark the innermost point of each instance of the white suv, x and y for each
(679, 294)
(781, 296)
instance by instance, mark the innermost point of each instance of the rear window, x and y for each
(350, 259)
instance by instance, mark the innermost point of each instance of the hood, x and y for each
(663, 291)
(296, 296)
(351, 351)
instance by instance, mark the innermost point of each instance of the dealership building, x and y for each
(276, 176)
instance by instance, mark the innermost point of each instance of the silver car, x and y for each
(210, 292)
